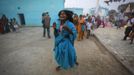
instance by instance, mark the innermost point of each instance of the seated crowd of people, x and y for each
(7, 25)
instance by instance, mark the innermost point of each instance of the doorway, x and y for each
(22, 18)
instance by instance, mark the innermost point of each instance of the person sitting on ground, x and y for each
(15, 24)
(132, 31)
(127, 31)
(132, 35)
(128, 28)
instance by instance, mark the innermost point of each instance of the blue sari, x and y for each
(65, 54)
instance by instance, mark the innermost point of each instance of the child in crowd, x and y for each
(88, 27)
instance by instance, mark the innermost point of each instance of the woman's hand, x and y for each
(67, 28)
(54, 25)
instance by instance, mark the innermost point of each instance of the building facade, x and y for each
(28, 12)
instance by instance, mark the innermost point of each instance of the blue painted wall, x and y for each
(32, 9)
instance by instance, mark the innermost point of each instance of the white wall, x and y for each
(114, 5)
(85, 4)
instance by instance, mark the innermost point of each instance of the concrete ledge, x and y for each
(115, 55)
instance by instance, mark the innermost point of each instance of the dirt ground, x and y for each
(28, 53)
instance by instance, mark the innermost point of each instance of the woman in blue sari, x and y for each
(65, 34)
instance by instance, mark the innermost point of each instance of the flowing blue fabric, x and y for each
(65, 54)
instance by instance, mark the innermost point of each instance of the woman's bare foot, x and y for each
(58, 68)
(77, 63)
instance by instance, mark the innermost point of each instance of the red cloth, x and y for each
(1, 27)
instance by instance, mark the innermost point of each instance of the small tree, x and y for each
(112, 12)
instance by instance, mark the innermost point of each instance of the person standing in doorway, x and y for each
(46, 24)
